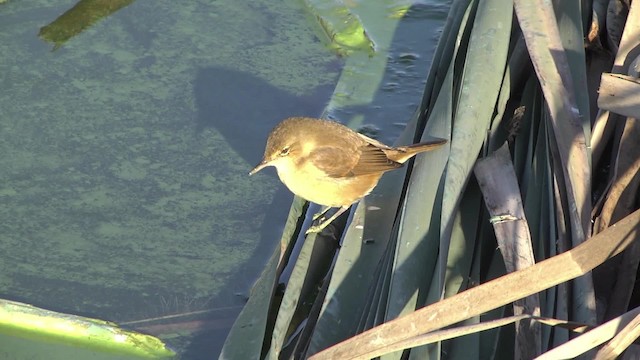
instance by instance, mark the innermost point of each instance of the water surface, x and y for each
(127, 129)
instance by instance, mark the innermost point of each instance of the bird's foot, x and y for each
(323, 224)
(314, 229)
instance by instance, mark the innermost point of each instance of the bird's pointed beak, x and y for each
(259, 167)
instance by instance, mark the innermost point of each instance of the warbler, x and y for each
(329, 164)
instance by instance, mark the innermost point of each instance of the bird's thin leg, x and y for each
(322, 225)
(321, 213)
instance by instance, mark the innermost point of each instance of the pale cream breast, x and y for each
(313, 185)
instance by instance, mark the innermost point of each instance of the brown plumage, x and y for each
(329, 164)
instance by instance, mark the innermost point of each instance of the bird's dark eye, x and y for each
(284, 151)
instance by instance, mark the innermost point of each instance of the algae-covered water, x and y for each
(127, 129)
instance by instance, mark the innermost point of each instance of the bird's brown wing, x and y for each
(333, 161)
(365, 159)
(373, 159)
(374, 142)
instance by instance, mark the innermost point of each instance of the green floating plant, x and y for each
(30, 322)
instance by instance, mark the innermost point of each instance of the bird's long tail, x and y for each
(401, 154)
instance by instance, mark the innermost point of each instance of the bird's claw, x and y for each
(313, 229)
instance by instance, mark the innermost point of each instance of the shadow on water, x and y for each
(244, 109)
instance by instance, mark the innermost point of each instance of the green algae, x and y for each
(112, 200)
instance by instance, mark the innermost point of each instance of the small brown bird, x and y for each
(329, 164)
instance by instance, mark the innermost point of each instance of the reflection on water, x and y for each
(124, 190)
